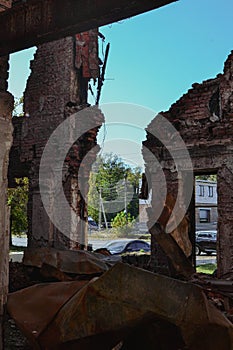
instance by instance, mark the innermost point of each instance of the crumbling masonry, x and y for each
(204, 119)
(6, 107)
(56, 88)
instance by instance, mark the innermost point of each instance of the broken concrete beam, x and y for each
(107, 311)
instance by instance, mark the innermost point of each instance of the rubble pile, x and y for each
(109, 310)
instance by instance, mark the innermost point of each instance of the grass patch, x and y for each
(110, 234)
(207, 268)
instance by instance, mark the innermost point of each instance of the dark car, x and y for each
(206, 242)
(109, 225)
(92, 225)
(121, 246)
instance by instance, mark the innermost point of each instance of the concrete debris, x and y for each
(109, 312)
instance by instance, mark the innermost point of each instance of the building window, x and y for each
(204, 215)
(211, 191)
(201, 190)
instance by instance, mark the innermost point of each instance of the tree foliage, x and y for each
(211, 177)
(111, 179)
(18, 107)
(17, 200)
(93, 198)
(111, 170)
(123, 223)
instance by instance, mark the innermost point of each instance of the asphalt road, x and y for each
(22, 241)
(206, 259)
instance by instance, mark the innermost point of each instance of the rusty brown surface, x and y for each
(176, 245)
(182, 266)
(180, 233)
(65, 261)
(39, 21)
(35, 307)
(110, 309)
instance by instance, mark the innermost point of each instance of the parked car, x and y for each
(121, 246)
(206, 242)
(109, 225)
(92, 225)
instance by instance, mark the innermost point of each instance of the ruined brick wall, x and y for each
(204, 118)
(56, 88)
(5, 4)
(6, 107)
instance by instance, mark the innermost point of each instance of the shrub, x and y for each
(122, 223)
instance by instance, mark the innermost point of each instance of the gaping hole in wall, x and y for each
(18, 182)
(19, 62)
(206, 217)
(17, 201)
(113, 198)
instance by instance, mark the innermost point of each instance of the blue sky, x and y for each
(155, 58)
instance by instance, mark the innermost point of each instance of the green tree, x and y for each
(93, 198)
(122, 223)
(111, 170)
(18, 107)
(134, 176)
(17, 200)
(112, 178)
(211, 177)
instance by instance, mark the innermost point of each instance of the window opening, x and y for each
(206, 217)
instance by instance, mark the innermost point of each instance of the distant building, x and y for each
(206, 201)
(143, 205)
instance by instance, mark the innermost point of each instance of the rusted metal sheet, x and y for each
(124, 301)
(40, 303)
(39, 21)
(66, 261)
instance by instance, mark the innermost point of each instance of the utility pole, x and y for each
(125, 192)
(105, 219)
(100, 212)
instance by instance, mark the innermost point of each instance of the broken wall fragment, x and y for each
(204, 119)
(56, 89)
(6, 108)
